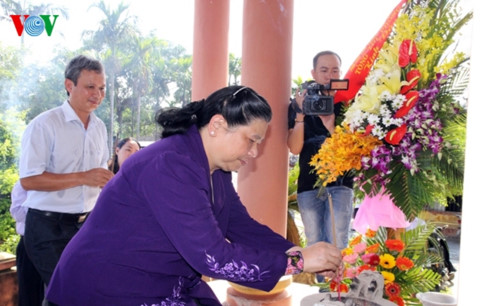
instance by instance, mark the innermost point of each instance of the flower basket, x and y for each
(404, 132)
(404, 263)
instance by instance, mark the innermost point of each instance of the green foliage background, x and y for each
(10, 125)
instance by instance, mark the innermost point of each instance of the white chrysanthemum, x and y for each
(387, 121)
(397, 121)
(398, 100)
(385, 96)
(378, 132)
(372, 119)
(356, 123)
(353, 117)
(384, 111)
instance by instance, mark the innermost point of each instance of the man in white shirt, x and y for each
(63, 165)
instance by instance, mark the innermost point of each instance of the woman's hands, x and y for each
(321, 258)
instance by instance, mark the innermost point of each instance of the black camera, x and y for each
(316, 103)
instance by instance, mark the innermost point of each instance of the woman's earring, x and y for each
(212, 133)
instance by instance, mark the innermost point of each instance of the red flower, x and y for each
(369, 128)
(404, 263)
(411, 98)
(335, 287)
(344, 288)
(366, 267)
(394, 136)
(407, 53)
(413, 77)
(397, 300)
(392, 289)
(395, 245)
(370, 259)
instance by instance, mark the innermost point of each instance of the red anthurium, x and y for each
(413, 77)
(411, 98)
(394, 136)
(407, 53)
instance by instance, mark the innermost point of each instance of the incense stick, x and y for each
(334, 234)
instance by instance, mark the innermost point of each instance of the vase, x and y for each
(436, 299)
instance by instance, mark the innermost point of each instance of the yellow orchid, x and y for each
(342, 152)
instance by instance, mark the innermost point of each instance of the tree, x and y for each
(39, 88)
(11, 126)
(9, 67)
(182, 76)
(140, 74)
(234, 69)
(165, 57)
(115, 30)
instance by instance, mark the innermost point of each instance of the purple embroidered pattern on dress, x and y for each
(175, 300)
(235, 272)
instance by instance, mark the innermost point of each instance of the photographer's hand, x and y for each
(329, 122)
(296, 134)
(300, 97)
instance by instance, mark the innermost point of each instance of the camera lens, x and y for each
(318, 105)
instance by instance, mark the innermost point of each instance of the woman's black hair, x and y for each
(114, 162)
(239, 105)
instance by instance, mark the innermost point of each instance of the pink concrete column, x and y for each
(210, 50)
(266, 67)
(262, 184)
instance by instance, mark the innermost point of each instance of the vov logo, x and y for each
(34, 25)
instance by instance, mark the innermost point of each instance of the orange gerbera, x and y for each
(355, 240)
(335, 287)
(344, 288)
(372, 248)
(397, 300)
(404, 263)
(395, 245)
(392, 289)
(370, 233)
(366, 267)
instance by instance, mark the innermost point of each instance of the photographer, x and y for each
(307, 132)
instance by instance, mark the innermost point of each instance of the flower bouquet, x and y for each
(405, 263)
(404, 132)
